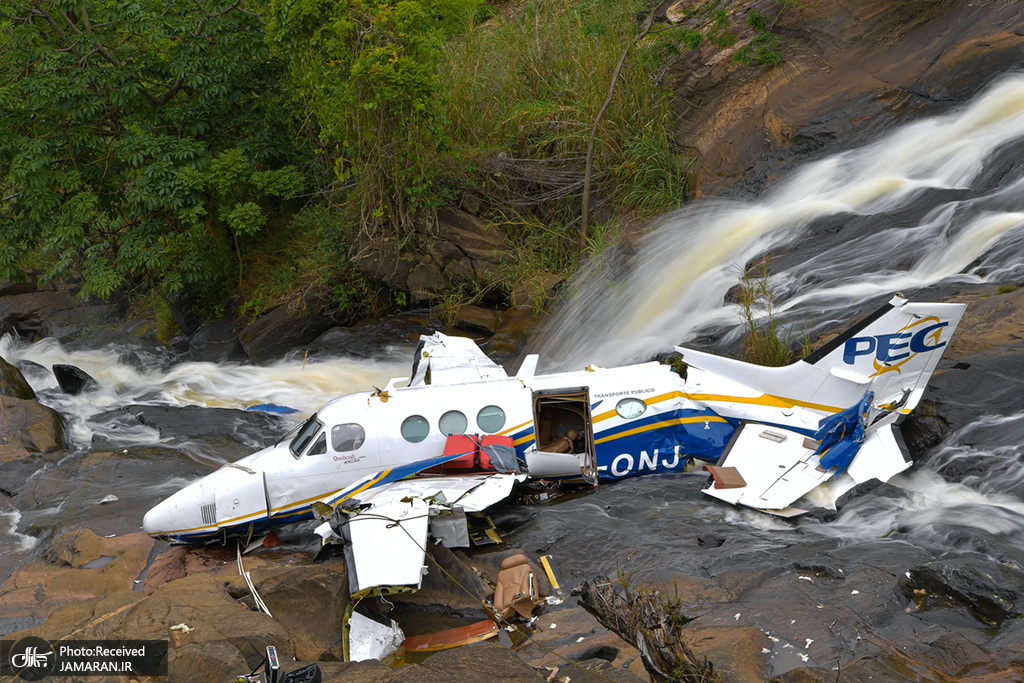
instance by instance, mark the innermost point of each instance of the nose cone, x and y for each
(157, 521)
(178, 517)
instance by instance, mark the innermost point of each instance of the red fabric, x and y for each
(460, 443)
(487, 440)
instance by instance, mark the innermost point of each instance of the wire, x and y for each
(487, 608)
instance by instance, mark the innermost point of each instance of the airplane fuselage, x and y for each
(643, 418)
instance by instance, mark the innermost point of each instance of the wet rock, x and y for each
(23, 286)
(226, 637)
(50, 314)
(73, 380)
(850, 70)
(308, 600)
(478, 319)
(30, 435)
(737, 651)
(425, 282)
(480, 662)
(874, 488)
(12, 382)
(59, 578)
(923, 430)
(540, 289)
(285, 327)
(252, 429)
(992, 592)
(217, 343)
(512, 337)
(570, 633)
(375, 338)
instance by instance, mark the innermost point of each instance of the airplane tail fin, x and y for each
(893, 351)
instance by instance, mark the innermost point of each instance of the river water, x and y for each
(935, 206)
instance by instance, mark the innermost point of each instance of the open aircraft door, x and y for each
(564, 446)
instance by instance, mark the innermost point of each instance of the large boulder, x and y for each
(30, 435)
(12, 382)
(217, 343)
(458, 248)
(77, 567)
(287, 326)
(50, 314)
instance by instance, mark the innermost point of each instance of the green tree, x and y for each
(367, 71)
(143, 140)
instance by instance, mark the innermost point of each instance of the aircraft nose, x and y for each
(157, 521)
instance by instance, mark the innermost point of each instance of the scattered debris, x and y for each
(184, 628)
(109, 498)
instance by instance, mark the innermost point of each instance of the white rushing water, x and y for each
(675, 286)
(290, 382)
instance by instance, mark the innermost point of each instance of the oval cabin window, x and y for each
(490, 419)
(453, 422)
(415, 428)
(347, 437)
(629, 408)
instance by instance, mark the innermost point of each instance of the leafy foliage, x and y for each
(142, 139)
(366, 69)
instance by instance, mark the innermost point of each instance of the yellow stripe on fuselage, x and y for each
(659, 425)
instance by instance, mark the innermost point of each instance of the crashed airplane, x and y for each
(461, 433)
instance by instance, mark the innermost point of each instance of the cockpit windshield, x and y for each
(305, 435)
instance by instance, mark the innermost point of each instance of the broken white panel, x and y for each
(879, 457)
(473, 492)
(777, 472)
(369, 639)
(450, 528)
(386, 545)
(494, 489)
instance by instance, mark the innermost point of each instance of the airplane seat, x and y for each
(563, 444)
(516, 588)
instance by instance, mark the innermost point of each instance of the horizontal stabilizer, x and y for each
(779, 466)
(776, 464)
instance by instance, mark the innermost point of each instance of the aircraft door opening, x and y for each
(565, 435)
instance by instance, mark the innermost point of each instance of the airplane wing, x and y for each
(385, 525)
(441, 359)
(769, 468)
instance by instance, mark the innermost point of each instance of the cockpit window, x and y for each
(347, 437)
(320, 447)
(305, 435)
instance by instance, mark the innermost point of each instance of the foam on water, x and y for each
(289, 382)
(11, 542)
